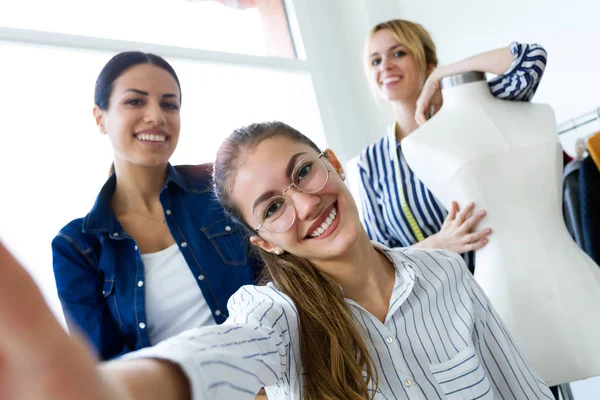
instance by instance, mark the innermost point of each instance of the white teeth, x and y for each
(390, 80)
(151, 138)
(325, 224)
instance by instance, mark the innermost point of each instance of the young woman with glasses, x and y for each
(340, 318)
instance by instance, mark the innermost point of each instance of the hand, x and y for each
(38, 360)
(457, 233)
(430, 97)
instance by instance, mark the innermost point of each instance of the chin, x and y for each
(347, 237)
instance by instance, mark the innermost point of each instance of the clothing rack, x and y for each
(581, 120)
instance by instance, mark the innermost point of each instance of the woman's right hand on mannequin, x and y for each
(458, 232)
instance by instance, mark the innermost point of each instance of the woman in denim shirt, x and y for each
(155, 255)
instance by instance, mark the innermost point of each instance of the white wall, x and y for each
(568, 30)
(333, 32)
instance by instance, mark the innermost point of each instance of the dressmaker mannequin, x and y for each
(505, 156)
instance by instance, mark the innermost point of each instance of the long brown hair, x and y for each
(412, 36)
(333, 352)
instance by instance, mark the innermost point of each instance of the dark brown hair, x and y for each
(333, 351)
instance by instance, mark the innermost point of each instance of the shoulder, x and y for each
(72, 233)
(252, 294)
(441, 263)
(373, 154)
(72, 243)
(197, 176)
(262, 301)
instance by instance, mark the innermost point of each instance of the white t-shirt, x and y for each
(174, 302)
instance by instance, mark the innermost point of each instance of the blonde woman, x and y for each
(401, 66)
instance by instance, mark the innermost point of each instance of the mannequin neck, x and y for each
(467, 93)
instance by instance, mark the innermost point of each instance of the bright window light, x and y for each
(54, 160)
(262, 30)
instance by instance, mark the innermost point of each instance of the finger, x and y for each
(475, 245)
(452, 212)
(419, 116)
(477, 236)
(462, 215)
(434, 109)
(473, 220)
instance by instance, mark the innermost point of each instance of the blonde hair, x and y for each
(412, 36)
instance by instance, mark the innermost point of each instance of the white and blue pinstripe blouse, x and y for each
(441, 339)
(382, 216)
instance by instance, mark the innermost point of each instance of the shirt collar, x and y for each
(407, 272)
(101, 218)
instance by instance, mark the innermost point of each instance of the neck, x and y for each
(404, 115)
(467, 93)
(138, 187)
(363, 272)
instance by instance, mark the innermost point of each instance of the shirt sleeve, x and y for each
(523, 77)
(509, 373)
(83, 294)
(372, 213)
(236, 359)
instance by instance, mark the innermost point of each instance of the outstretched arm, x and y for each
(39, 360)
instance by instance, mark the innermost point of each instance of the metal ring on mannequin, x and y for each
(461, 79)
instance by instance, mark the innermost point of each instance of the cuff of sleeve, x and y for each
(179, 356)
(516, 49)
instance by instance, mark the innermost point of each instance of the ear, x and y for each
(335, 162)
(99, 117)
(263, 244)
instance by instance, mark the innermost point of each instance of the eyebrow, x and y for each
(288, 171)
(390, 49)
(143, 93)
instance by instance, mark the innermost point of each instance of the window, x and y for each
(53, 159)
(259, 29)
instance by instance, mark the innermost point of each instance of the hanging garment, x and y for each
(571, 203)
(593, 147)
(589, 197)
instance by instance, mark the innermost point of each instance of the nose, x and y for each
(305, 204)
(385, 63)
(154, 114)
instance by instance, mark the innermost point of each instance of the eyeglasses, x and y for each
(309, 176)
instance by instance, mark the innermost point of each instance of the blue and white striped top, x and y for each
(441, 339)
(382, 215)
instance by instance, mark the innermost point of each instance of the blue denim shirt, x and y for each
(98, 267)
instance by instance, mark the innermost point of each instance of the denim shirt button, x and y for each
(142, 325)
(168, 212)
(200, 277)
(218, 312)
(183, 244)
(135, 247)
(140, 283)
(115, 234)
(227, 228)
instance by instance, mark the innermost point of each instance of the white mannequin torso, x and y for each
(505, 156)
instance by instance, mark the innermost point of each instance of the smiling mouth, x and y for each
(326, 224)
(148, 137)
(387, 81)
